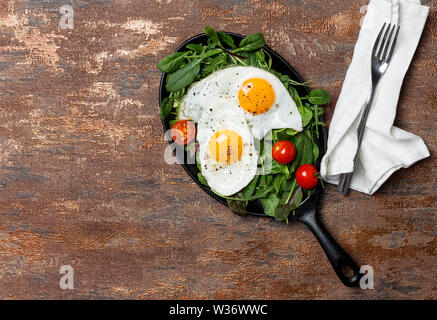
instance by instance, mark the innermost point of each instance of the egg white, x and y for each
(226, 179)
(225, 85)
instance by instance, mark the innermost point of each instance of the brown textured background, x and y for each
(83, 181)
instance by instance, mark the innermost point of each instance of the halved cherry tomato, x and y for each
(283, 152)
(183, 132)
(306, 176)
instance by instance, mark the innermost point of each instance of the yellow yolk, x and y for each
(226, 146)
(256, 96)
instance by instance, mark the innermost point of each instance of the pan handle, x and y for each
(339, 259)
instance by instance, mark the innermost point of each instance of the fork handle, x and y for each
(346, 178)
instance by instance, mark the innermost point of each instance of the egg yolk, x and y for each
(256, 96)
(226, 146)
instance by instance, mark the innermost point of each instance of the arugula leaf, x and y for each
(251, 43)
(183, 77)
(166, 106)
(291, 132)
(226, 39)
(172, 62)
(319, 96)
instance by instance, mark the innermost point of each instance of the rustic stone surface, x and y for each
(83, 181)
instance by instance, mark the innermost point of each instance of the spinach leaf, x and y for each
(226, 39)
(288, 185)
(251, 58)
(296, 199)
(172, 122)
(202, 179)
(251, 43)
(197, 48)
(250, 188)
(277, 182)
(307, 115)
(269, 179)
(295, 96)
(212, 34)
(307, 153)
(199, 166)
(260, 193)
(237, 207)
(183, 77)
(270, 203)
(211, 53)
(304, 150)
(315, 151)
(166, 106)
(172, 62)
(280, 168)
(284, 208)
(319, 97)
(214, 64)
(275, 166)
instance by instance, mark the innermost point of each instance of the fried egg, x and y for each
(227, 153)
(259, 94)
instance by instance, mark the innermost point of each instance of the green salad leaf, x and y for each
(226, 39)
(319, 97)
(251, 43)
(212, 35)
(183, 77)
(238, 207)
(166, 107)
(172, 62)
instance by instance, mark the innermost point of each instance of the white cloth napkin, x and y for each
(384, 148)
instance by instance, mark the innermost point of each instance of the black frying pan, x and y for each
(346, 269)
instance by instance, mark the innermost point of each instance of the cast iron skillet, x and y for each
(306, 213)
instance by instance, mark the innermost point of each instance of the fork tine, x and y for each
(387, 45)
(393, 45)
(383, 43)
(375, 46)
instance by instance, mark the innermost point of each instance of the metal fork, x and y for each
(380, 60)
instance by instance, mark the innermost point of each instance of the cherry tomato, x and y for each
(306, 176)
(283, 152)
(183, 132)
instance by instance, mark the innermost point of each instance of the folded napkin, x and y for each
(384, 148)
